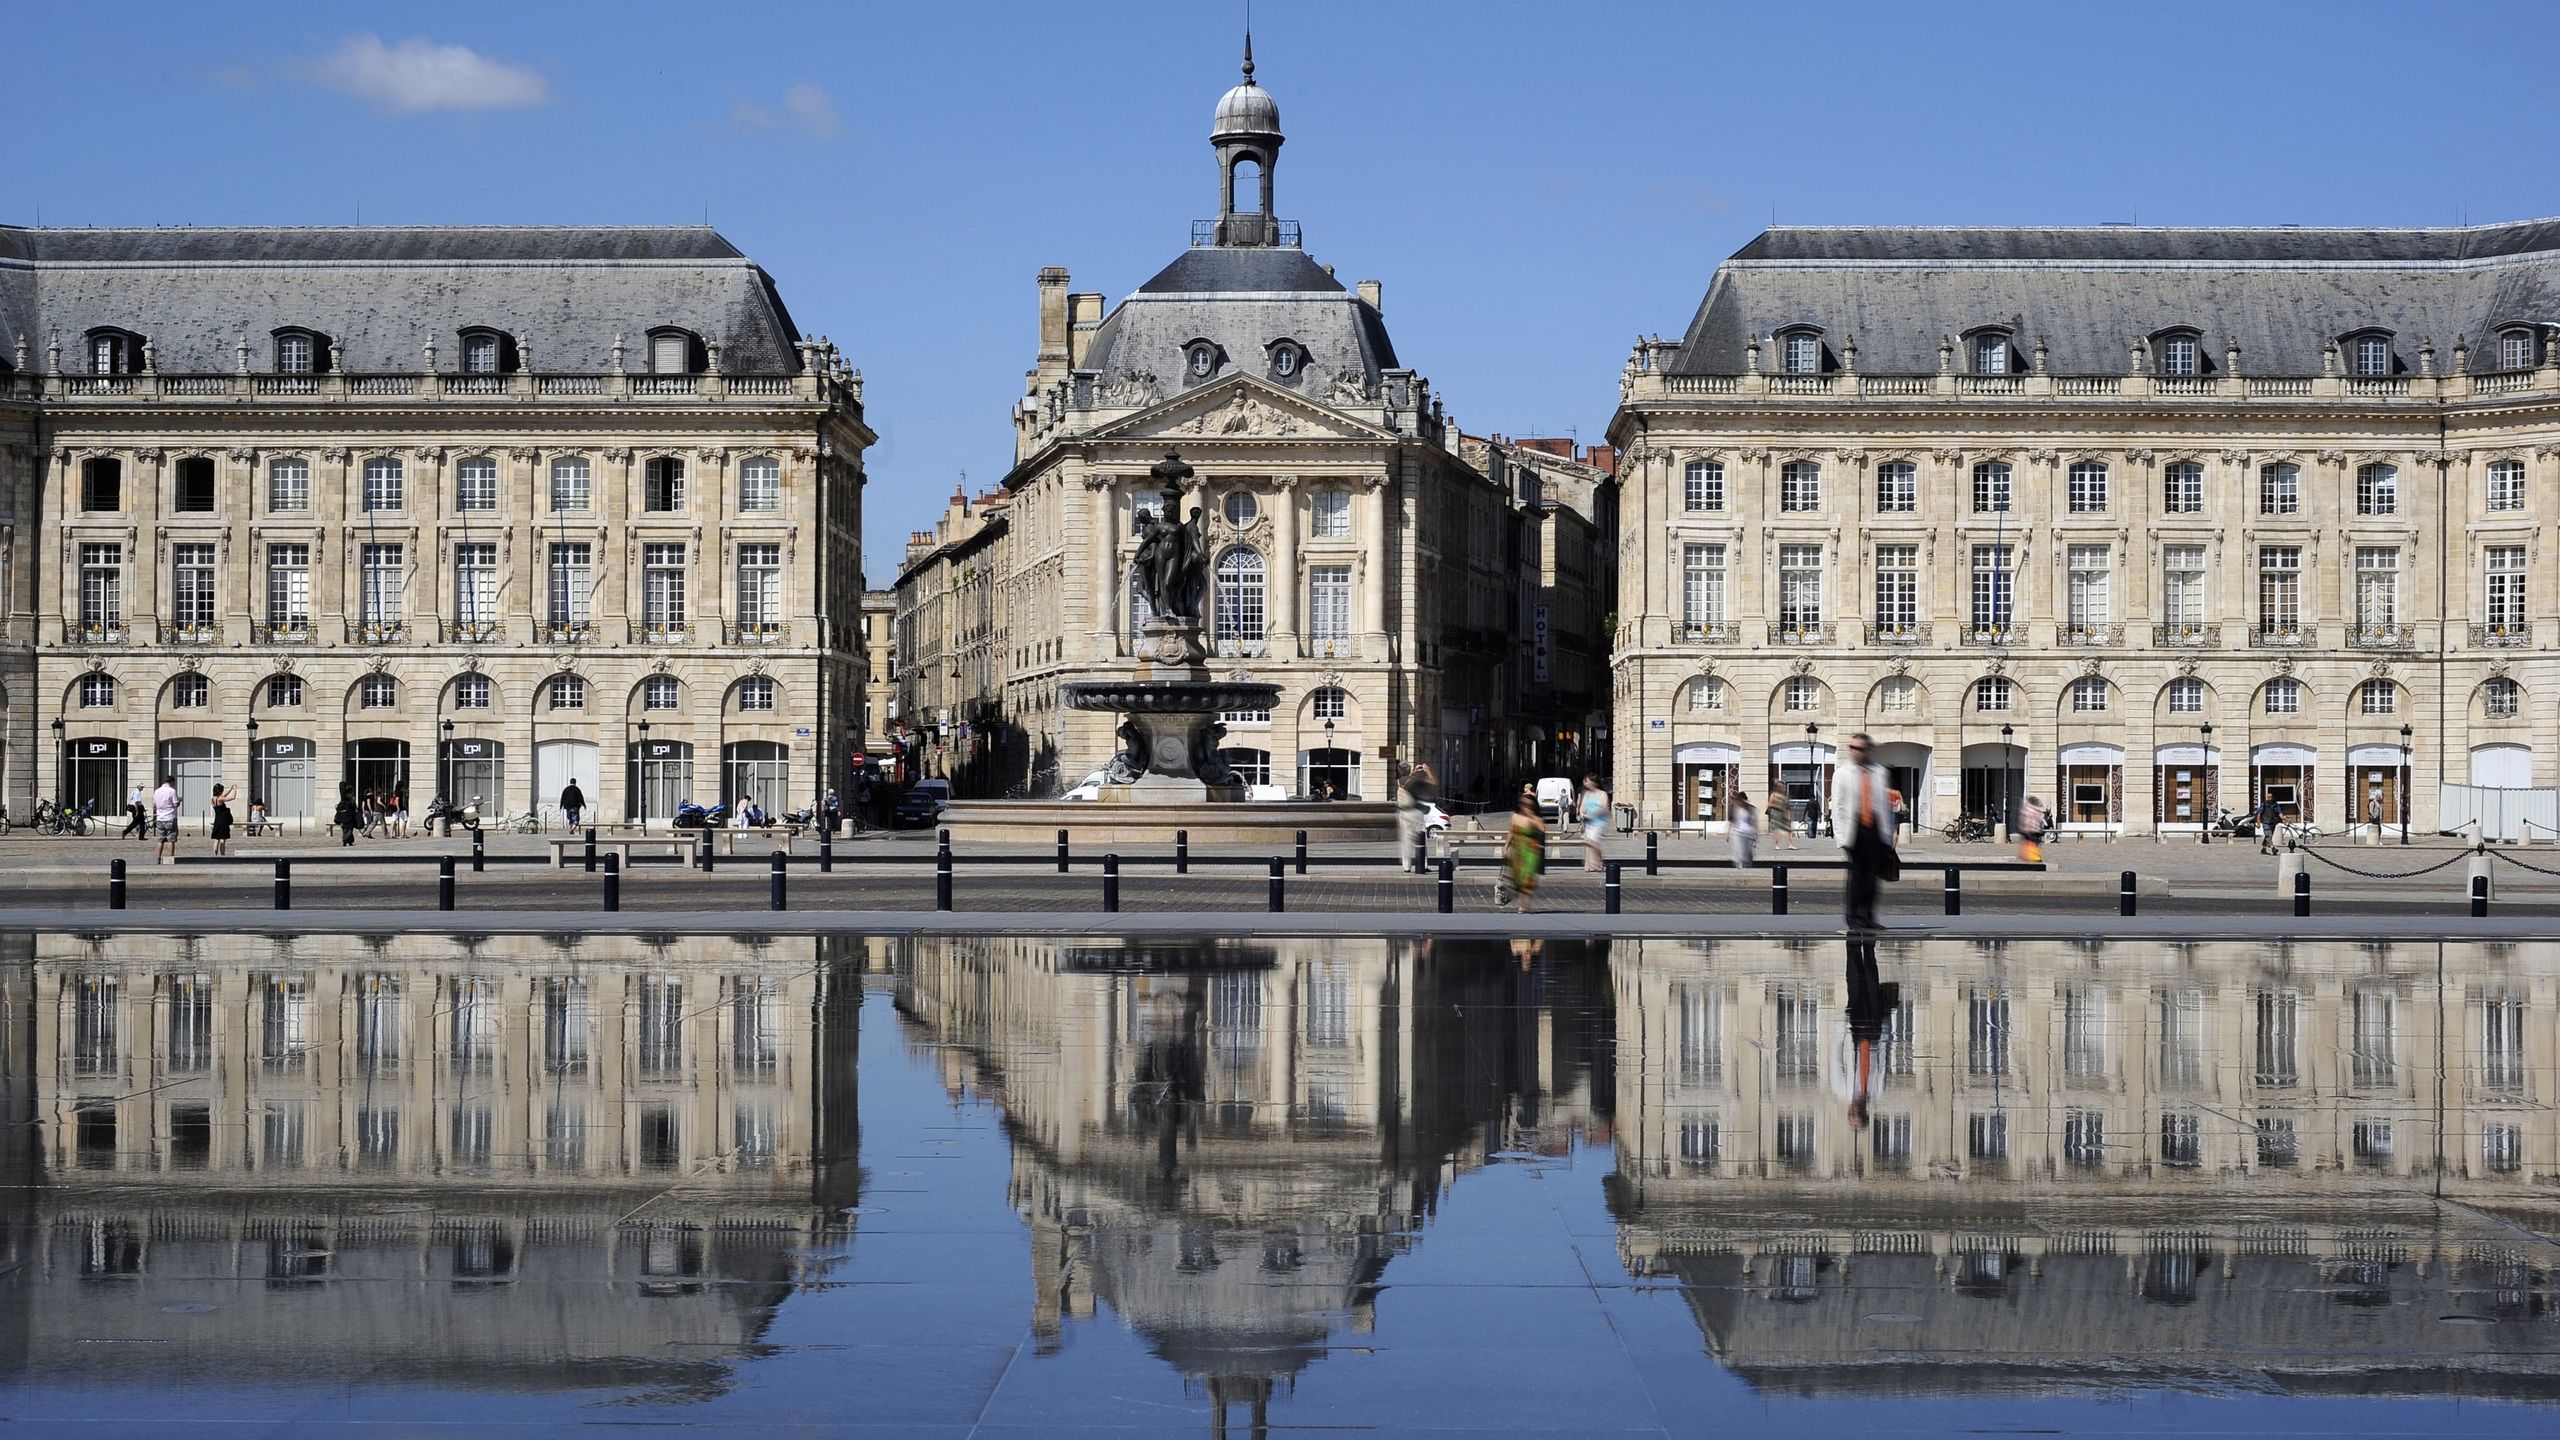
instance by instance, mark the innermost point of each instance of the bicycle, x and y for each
(523, 823)
(1966, 828)
(2299, 833)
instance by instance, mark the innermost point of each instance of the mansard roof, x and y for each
(2280, 294)
(383, 293)
(1242, 299)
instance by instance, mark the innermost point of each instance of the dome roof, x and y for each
(1248, 109)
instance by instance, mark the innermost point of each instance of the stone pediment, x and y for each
(1240, 408)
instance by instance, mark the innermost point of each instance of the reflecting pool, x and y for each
(1023, 1186)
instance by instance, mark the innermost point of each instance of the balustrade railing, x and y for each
(279, 385)
(471, 632)
(1802, 634)
(579, 632)
(2501, 636)
(195, 385)
(2382, 637)
(334, 385)
(2185, 385)
(2377, 389)
(568, 385)
(94, 632)
(2506, 382)
(1991, 384)
(1718, 633)
(2280, 637)
(2088, 385)
(758, 632)
(475, 384)
(1890, 385)
(1914, 633)
(2186, 637)
(666, 385)
(377, 632)
(663, 632)
(2096, 636)
(2004, 633)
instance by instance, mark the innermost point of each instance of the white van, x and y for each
(1554, 793)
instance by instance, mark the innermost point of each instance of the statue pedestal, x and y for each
(1174, 744)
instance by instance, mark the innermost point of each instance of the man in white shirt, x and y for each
(136, 819)
(1862, 819)
(164, 815)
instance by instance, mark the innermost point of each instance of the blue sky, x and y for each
(1535, 183)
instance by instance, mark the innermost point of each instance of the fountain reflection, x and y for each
(501, 1163)
(1227, 1144)
(2321, 1165)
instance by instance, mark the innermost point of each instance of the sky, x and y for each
(1535, 184)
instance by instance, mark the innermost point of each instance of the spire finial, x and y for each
(1248, 53)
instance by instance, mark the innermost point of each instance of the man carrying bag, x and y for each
(1862, 819)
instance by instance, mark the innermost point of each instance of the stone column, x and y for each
(1377, 570)
(1286, 584)
(1104, 585)
(142, 502)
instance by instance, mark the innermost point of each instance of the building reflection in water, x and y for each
(562, 1162)
(2099, 1166)
(1227, 1144)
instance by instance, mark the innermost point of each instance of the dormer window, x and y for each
(297, 353)
(2179, 353)
(1287, 359)
(114, 352)
(2369, 356)
(1991, 353)
(481, 352)
(1800, 352)
(2517, 350)
(1201, 358)
(671, 352)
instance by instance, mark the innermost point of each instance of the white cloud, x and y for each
(418, 74)
(804, 107)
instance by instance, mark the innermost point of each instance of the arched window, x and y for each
(1898, 696)
(2284, 696)
(2501, 699)
(2369, 356)
(671, 352)
(1802, 693)
(1330, 703)
(2088, 694)
(471, 692)
(2179, 353)
(1240, 599)
(97, 692)
(756, 693)
(2517, 350)
(568, 692)
(2378, 697)
(2182, 488)
(482, 352)
(190, 692)
(1993, 693)
(377, 692)
(1991, 353)
(298, 352)
(284, 692)
(1897, 487)
(114, 352)
(1706, 692)
(661, 692)
(2186, 696)
(1800, 352)
(1247, 197)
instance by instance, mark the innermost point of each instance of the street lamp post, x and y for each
(61, 762)
(1331, 756)
(252, 728)
(2005, 812)
(444, 768)
(2204, 787)
(641, 805)
(2403, 787)
(1813, 762)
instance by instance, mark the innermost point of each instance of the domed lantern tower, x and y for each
(1246, 135)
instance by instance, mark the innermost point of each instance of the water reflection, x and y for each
(489, 1163)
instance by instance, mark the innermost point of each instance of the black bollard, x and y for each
(1279, 902)
(826, 852)
(2479, 895)
(1448, 885)
(709, 845)
(2124, 894)
(1062, 849)
(780, 899)
(2301, 894)
(479, 849)
(1421, 850)
(1653, 852)
(613, 882)
(284, 884)
(1955, 891)
(1610, 890)
(1302, 852)
(942, 876)
(115, 884)
(1111, 884)
(591, 849)
(444, 883)
(1777, 889)
(1181, 852)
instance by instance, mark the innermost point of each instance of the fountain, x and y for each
(1168, 775)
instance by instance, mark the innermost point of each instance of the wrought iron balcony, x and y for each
(2502, 636)
(1336, 647)
(377, 632)
(94, 632)
(2383, 637)
(758, 632)
(1802, 634)
(664, 632)
(1718, 633)
(2101, 637)
(295, 631)
(189, 632)
(1242, 648)
(2001, 634)
(1916, 633)
(471, 632)
(578, 633)
(2280, 637)
(2186, 637)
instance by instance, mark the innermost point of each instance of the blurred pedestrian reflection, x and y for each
(1871, 1001)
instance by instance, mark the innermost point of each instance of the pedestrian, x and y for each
(2373, 813)
(399, 816)
(377, 816)
(1782, 821)
(1813, 812)
(258, 821)
(347, 816)
(164, 817)
(1420, 790)
(1742, 829)
(1594, 807)
(831, 812)
(2270, 819)
(1860, 813)
(573, 802)
(1526, 851)
(2032, 823)
(136, 818)
(221, 831)
(1872, 1002)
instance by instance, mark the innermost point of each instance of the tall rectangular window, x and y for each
(662, 484)
(1799, 487)
(2377, 588)
(2182, 588)
(760, 587)
(289, 588)
(2506, 485)
(384, 484)
(662, 586)
(288, 485)
(2278, 1039)
(475, 484)
(2088, 488)
(572, 582)
(1702, 485)
(2516, 350)
(385, 582)
(1702, 587)
(475, 583)
(101, 584)
(2182, 488)
(1991, 587)
(2280, 490)
(2505, 589)
(1799, 587)
(191, 586)
(2280, 589)
(1897, 587)
(1329, 602)
(1897, 487)
(760, 484)
(572, 484)
(1991, 488)
(2377, 490)
(1331, 514)
(2092, 585)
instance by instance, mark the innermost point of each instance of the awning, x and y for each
(2093, 754)
(2375, 755)
(2283, 754)
(2186, 755)
(1703, 752)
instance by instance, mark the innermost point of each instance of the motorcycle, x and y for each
(2237, 827)
(690, 816)
(441, 810)
(800, 817)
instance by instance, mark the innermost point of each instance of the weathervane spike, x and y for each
(1248, 42)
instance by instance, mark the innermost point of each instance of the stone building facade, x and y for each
(2147, 523)
(429, 510)
(1566, 498)
(949, 646)
(1357, 562)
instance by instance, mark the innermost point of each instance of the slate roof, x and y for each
(383, 292)
(1243, 298)
(2281, 294)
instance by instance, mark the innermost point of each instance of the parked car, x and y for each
(1433, 817)
(1554, 793)
(1266, 792)
(1088, 788)
(923, 803)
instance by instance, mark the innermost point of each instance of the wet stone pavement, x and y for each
(1083, 1186)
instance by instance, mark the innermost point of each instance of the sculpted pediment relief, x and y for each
(1239, 409)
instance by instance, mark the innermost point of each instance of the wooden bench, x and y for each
(680, 846)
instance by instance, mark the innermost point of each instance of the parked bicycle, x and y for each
(54, 818)
(1967, 828)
